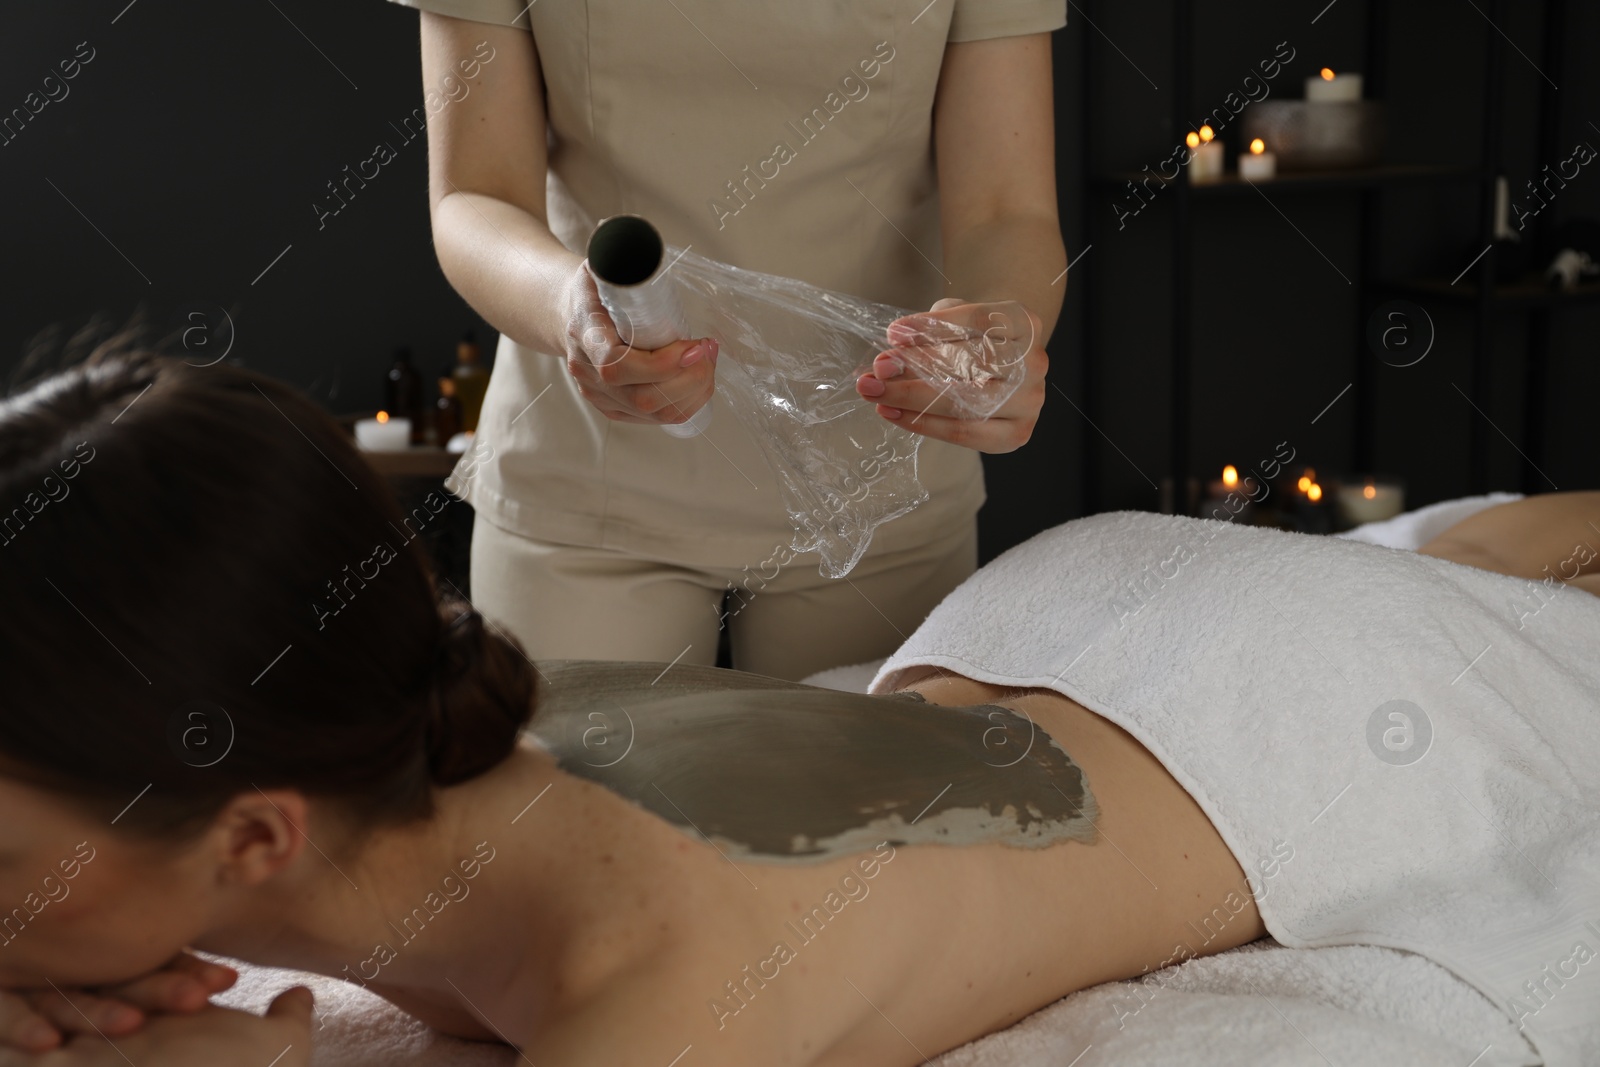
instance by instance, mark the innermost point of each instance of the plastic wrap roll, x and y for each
(627, 259)
(789, 357)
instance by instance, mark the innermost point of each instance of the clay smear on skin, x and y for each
(772, 770)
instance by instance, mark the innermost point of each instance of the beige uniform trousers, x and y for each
(785, 619)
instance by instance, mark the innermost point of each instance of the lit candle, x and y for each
(1310, 512)
(1331, 88)
(1370, 500)
(384, 434)
(1229, 497)
(1229, 482)
(1205, 152)
(1259, 163)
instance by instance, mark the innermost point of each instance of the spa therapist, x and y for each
(902, 157)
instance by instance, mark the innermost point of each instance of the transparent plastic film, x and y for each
(790, 354)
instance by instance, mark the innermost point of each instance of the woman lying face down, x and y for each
(242, 719)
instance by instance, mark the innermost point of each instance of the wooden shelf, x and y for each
(1527, 292)
(1385, 176)
(416, 462)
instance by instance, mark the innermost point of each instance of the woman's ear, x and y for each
(259, 834)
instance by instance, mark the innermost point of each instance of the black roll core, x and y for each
(625, 250)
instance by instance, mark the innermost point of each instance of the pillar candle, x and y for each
(1331, 88)
(383, 434)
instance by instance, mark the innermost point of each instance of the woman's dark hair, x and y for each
(207, 591)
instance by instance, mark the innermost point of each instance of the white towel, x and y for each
(1256, 664)
(356, 1028)
(1263, 1004)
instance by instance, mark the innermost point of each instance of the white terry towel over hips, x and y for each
(1427, 745)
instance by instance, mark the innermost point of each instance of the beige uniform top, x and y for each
(794, 139)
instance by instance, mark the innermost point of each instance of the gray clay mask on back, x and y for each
(776, 771)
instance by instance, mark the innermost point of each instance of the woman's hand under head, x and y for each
(628, 384)
(204, 1039)
(923, 407)
(41, 1020)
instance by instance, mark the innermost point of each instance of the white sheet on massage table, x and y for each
(1259, 1004)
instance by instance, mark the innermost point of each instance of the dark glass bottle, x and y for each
(472, 381)
(403, 392)
(446, 411)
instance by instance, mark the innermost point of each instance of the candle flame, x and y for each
(1257, 146)
(1369, 492)
(1230, 476)
(383, 416)
(1206, 133)
(1315, 492)
(1192, 140)
(1327, 75)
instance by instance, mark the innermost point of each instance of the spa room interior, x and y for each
(1279, 446)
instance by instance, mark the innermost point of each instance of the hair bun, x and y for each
(482, 697)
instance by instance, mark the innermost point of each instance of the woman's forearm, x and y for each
(1010, 257)
(505, 262)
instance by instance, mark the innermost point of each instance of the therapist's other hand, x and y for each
(924, 407)
(629, 384)
(38, 1020)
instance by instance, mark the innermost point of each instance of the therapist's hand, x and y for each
(922, 406)
(631, 384)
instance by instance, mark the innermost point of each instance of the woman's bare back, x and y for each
(892, 954)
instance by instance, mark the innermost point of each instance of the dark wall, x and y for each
(191, 149)
(1275, 319)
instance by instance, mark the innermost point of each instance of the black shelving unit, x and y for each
(1485, 295)
(1489, 296)
(1385, 176)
